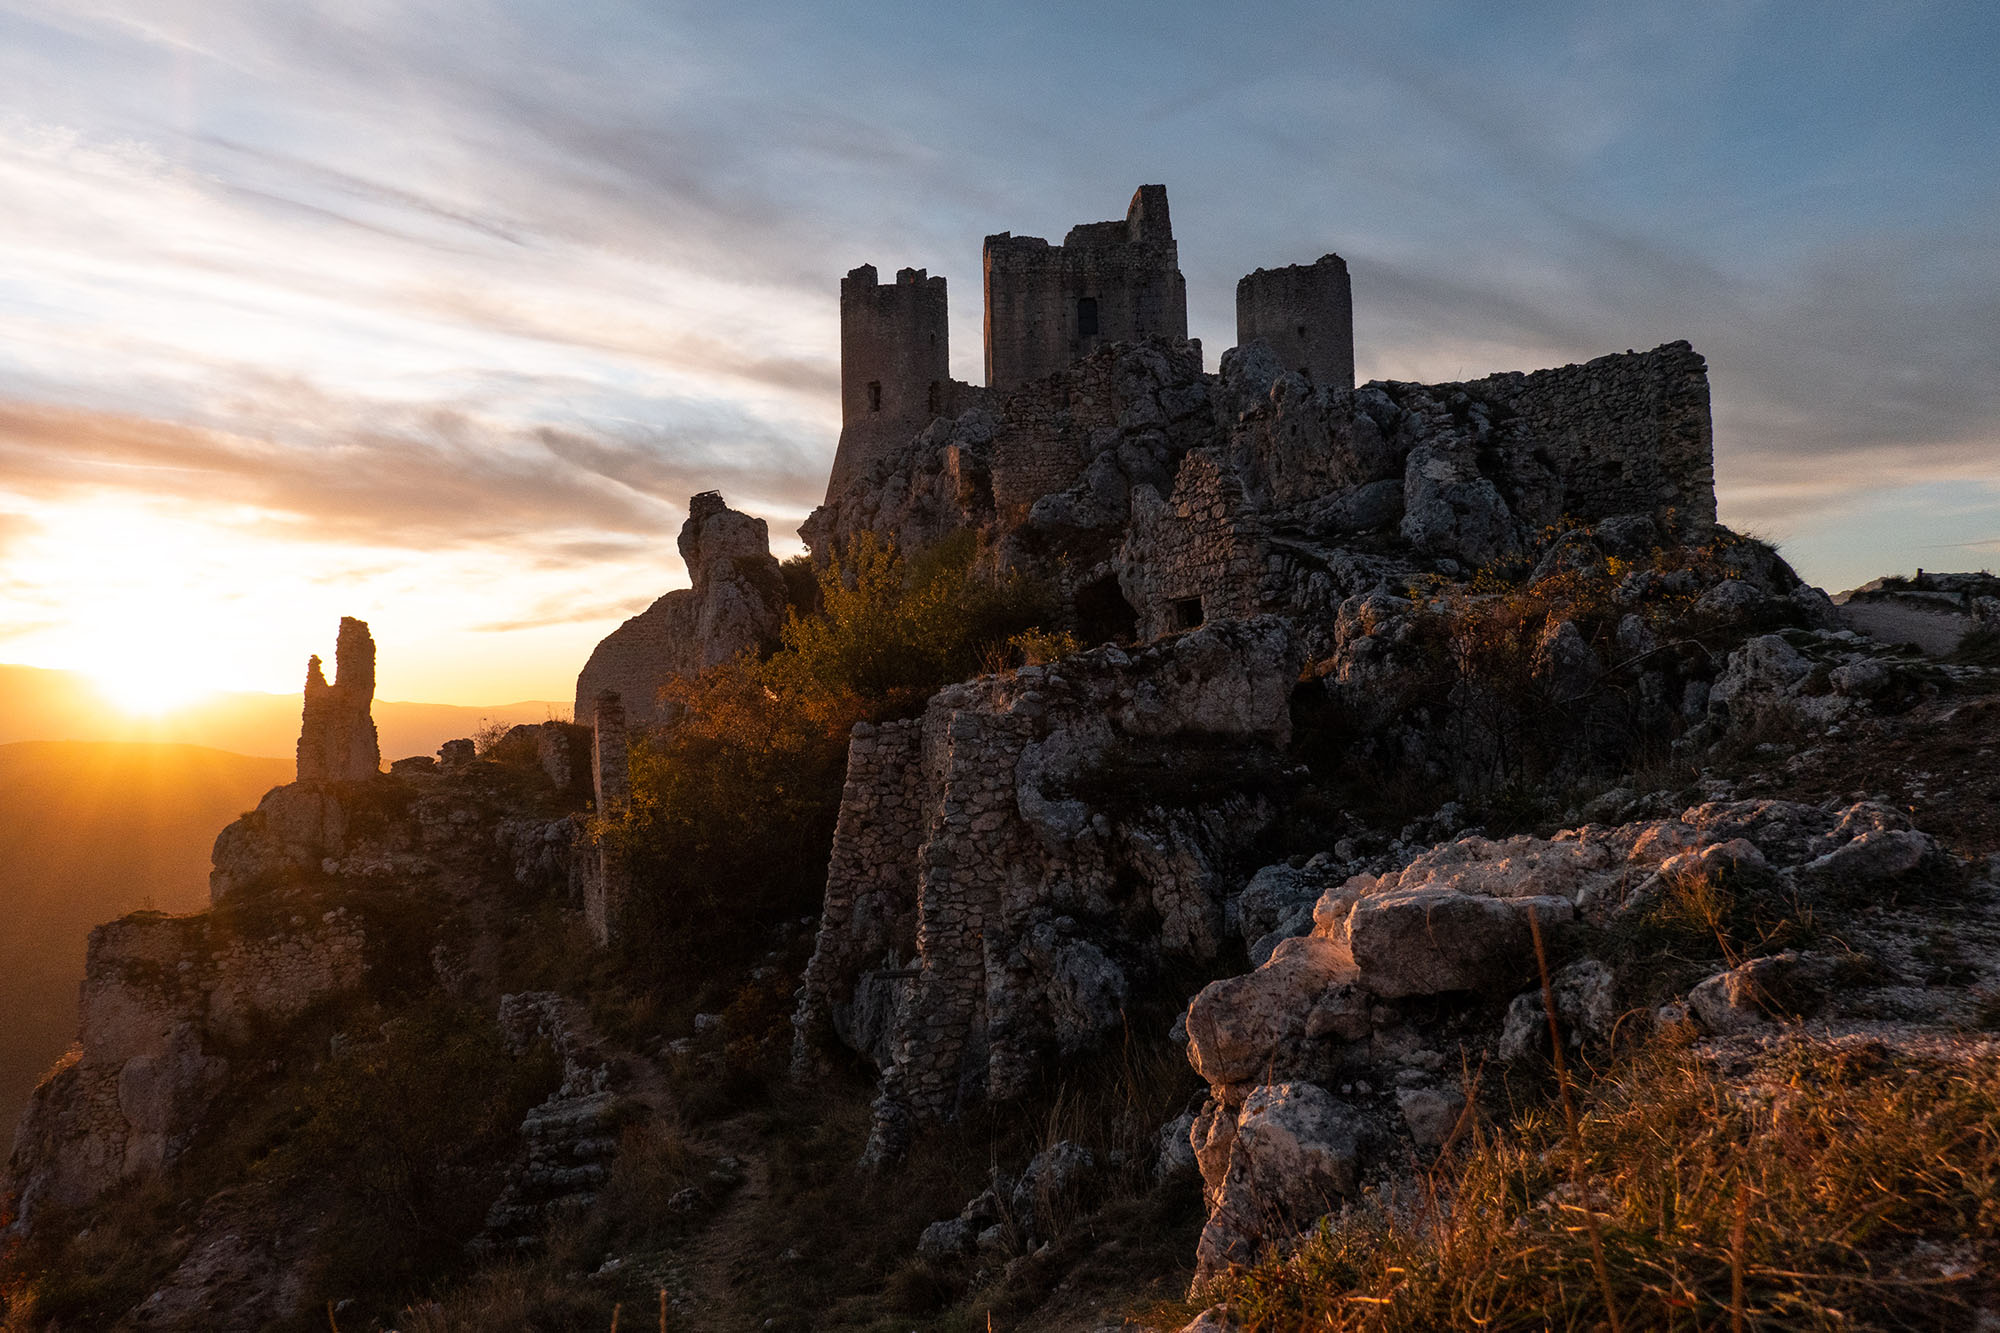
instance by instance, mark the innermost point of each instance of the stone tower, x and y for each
(337, 735)
(1049, 306)
(895, 366)
(1304, 313)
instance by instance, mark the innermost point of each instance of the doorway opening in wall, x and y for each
(1086, 316)
(874, 395)
(1187, 612)
(1102, 613)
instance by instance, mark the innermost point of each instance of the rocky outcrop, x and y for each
(736, 601)
(167, 1003)
(1155, 496)
(337, 735)
(1005, 868)
(1343, 1053)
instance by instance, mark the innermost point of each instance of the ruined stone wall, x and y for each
(853, 984)
(1050, 432)
(1198, 555)
(1305, 314)
(607, 890)
(1049, 306)
(1628, 433)
(894, 365)
(337, 741)
(1031, 909)
(164, 1002)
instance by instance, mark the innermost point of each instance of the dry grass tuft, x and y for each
(1836, 1188)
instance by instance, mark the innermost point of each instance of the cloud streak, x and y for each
(499, 283)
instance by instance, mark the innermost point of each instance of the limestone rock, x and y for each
(1290, 1158)
(1430, 941)
(1431, 1114)
(736, 601)
(1237, 1027)
(1585, 1010)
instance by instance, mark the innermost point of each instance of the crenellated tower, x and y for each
(895, 366)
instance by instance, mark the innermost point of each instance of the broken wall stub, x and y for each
(866, 940)
(607, 889)
(337, 741)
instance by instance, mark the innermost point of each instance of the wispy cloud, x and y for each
(482, 290)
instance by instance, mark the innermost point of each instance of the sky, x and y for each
(436, 313)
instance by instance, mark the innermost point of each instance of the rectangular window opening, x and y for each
(875, 395)
(1086, 316)
(1187, 612)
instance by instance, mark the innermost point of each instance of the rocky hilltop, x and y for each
(1362, 775)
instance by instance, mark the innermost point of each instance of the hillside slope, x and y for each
(88, 832)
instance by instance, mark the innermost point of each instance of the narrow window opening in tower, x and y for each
(937, 399)
(1086, 316)
(1302, 332)
(874, 395)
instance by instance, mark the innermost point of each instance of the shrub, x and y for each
(733, 807)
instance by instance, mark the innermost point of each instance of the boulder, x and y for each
(1430, 941)
(1290, 1159)
(1239, 1026)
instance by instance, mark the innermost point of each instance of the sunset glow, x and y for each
(308, 313)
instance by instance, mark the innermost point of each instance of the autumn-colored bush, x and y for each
(733, 806)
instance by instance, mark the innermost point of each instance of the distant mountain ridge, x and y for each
(43, 705)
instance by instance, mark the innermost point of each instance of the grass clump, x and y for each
(1835, 1188)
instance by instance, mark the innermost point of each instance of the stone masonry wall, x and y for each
(853, 983)
(1199, 554)
(1033, 909)
(895, 366)
(1049, 306)
(1629, 433)
(1305, 314)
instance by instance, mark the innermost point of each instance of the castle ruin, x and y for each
(337, 740)
(1049, 306)
(1048, 309)
(1305, 314)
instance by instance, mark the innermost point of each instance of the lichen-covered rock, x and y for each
(1430, 941)
(1236, 1026)
(1358, 1018)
